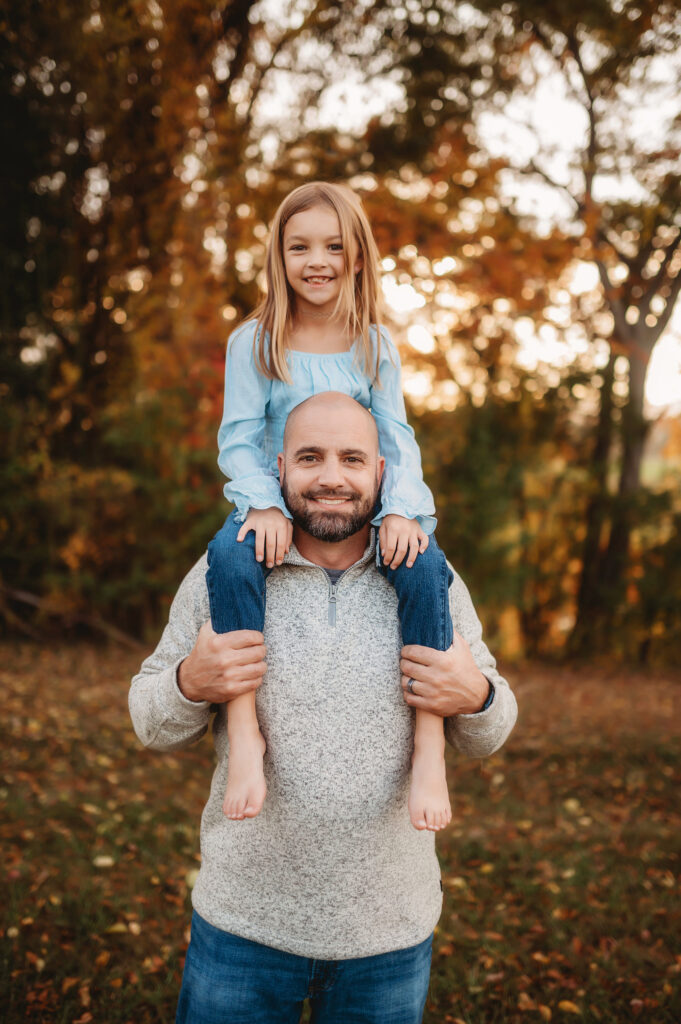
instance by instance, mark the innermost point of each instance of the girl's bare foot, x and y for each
(246, 787)
(429, 806)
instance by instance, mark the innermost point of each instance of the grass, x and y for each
(561, 871)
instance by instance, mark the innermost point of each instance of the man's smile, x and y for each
(322, 499)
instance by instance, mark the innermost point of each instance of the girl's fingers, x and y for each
(281, 545)
(388, 549)
(271, 541)
(414, 549)
(424, 541)
(400, 552)
(244, 530)
(259, 544)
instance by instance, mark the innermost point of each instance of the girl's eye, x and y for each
(336, 246)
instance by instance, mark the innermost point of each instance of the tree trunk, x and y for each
(589, 595)
(602, 582)
(634, 432)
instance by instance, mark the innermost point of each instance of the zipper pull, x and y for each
(332, 604)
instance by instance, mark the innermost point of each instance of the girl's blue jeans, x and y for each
(230, 980)
(236, 589)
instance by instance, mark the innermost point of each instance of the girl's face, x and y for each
(313, 258)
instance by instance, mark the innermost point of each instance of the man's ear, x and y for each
(380, 467)
(280, 465)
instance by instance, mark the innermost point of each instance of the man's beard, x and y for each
(329, 525)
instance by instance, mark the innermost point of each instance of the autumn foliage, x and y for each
(151, 144)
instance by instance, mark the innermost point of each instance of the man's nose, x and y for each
(331, 473)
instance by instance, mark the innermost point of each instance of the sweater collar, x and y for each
(294, 557)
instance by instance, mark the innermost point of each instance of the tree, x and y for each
(616, 195)
(612, 56)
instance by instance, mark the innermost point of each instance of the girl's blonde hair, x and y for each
(358, 302)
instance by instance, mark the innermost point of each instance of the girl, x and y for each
(318, 329)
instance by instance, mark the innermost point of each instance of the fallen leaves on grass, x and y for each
(560, 870)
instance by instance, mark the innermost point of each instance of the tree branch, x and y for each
(665, 316)
(235, 19)
(87, 620)
(533, 168)
(615, 304)
(672, 249)
(607, 235)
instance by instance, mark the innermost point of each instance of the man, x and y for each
(330, 893)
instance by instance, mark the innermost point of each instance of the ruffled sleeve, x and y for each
(404, 491)
(242, 455)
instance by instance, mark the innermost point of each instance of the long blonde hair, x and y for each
(358, 302)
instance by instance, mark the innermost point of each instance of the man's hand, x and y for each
(399, 536)
(273, 534)
(223, 665)
(445, 682)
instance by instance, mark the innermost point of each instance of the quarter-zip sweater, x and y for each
(332, 867)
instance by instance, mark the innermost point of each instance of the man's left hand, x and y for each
(445, 682)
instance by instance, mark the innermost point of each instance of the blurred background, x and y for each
(520, 166)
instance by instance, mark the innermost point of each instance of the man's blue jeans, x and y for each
(230, 980)
(236, 589)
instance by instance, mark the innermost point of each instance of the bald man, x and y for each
(329, 894)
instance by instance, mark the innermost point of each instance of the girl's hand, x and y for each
(399, 535)
(273, 534)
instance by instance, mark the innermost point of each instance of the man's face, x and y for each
(330, 473)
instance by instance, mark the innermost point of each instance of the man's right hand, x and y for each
(223, 665)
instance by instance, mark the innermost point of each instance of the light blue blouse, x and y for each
(252, 430)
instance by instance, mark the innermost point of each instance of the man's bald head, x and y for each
(331, 409)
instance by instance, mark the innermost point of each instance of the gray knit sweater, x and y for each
(331, 868)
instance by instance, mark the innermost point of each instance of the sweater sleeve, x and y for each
(404, 491)
(240, 437)
(163, 718)
(480, 734)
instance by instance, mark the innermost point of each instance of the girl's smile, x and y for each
(318, 282)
